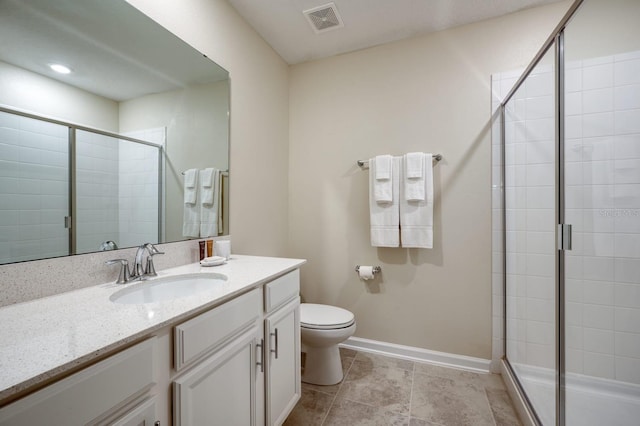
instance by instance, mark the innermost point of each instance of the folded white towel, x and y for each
(190, 187)
(207, 186)
(381, 170)
(209, 211)
(413, 181)
(384, 167)
(385, 218)
(413, 165)
(416, 217)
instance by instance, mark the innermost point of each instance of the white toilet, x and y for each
(322, 328)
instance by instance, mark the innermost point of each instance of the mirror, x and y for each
(94, 159)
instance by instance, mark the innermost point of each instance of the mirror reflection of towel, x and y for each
(209, 183)
(191, 213)
(190, 187)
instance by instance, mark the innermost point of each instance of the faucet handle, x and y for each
(124, 275)
(150, 270)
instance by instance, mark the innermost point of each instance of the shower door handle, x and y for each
(564, 236)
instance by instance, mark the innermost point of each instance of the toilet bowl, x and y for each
(322, 328)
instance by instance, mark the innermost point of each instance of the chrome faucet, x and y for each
(139, 271)
(142, 272)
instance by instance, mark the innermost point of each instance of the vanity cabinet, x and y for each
(241, 360)
(112, 391)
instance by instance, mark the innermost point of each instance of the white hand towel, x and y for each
(413, 165)
(413, 181)
(207, 186)
(190, 187)
(209, 212)
(416, 217)
(381, 169)
(385, 218)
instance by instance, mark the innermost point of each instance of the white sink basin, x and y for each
(168, 288)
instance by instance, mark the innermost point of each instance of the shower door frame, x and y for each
(563, 235)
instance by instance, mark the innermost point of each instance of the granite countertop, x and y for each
(44, 338)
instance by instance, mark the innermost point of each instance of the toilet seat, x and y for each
(324, 317)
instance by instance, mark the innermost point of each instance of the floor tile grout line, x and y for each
(338, 391)
(413, 382)
(486, 396)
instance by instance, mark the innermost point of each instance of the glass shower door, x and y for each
(530, 224)
(602, 170)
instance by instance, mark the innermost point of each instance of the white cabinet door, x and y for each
(142, 415)
(221, 389)
(283, 361)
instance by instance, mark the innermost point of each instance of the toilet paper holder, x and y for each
(376, 269)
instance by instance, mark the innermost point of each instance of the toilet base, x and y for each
(323, 366)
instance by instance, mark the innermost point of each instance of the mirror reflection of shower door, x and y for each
(530, 209)
(117, 192)
(34, 189)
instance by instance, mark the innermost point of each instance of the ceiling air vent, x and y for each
(324, 18)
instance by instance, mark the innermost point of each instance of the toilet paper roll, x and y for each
(365, 272)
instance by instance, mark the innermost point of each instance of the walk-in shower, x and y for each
(67, 189)
(567, 220)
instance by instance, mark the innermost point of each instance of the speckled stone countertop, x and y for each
(44, 338)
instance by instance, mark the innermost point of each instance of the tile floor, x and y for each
(379, 390)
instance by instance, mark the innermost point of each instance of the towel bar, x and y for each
(222, 172)
(365, 163)
(376, 269)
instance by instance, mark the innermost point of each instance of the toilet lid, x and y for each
(324, 316)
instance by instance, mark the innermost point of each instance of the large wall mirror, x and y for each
(95, 157)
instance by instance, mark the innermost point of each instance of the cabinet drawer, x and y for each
(202, 334)
(281, 290)
(89, 394)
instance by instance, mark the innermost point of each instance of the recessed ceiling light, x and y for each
(60, 68)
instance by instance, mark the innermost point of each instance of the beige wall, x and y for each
(259, 116)
(429, 94)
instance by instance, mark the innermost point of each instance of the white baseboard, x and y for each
(411, 353)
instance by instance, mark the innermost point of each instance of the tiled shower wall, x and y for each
(602, 170)
(33, 189)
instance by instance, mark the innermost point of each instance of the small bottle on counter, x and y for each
(209, 248)
(202, 252)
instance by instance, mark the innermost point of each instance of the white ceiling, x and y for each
(366, 22)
